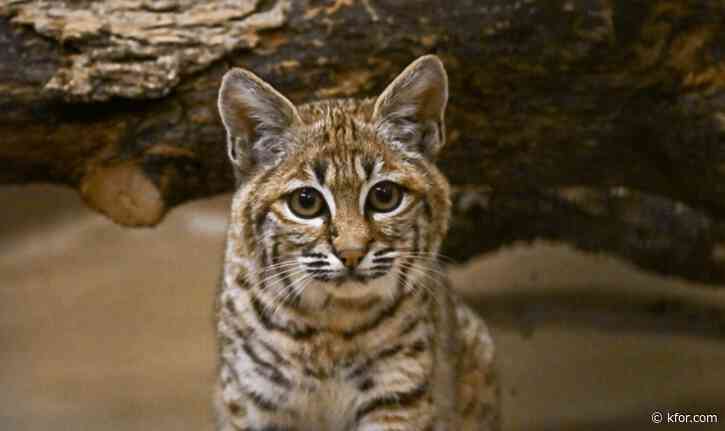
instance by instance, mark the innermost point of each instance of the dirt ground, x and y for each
(108, 328)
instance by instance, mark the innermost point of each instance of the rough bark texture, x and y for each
(600, 123)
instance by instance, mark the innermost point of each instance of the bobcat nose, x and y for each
(351, 257)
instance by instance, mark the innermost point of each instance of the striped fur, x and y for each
(306, 344)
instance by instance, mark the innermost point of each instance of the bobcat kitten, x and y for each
(334, 313)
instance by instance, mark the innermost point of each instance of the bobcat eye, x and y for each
(306, 202)
(385, 197)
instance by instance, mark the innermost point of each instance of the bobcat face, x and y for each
(346, 219)
(353, 218)
(339, 198)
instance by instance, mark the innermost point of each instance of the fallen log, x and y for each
(596, 123)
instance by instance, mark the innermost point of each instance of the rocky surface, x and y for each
(107, 328)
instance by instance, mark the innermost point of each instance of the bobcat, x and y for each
(334, 313)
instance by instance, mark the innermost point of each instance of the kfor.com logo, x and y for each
(667, 417)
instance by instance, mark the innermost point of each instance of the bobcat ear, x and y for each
(410, 112)
(257, 118)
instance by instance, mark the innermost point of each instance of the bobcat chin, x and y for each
(334, 313)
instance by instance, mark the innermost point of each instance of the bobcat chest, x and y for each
(329, 407)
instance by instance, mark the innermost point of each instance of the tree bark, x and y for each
(599, 123)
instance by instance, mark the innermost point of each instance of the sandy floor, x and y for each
(106, 328)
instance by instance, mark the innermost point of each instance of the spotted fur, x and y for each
(308, 342)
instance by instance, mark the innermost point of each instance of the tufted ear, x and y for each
(410, 112)
(257, 118)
